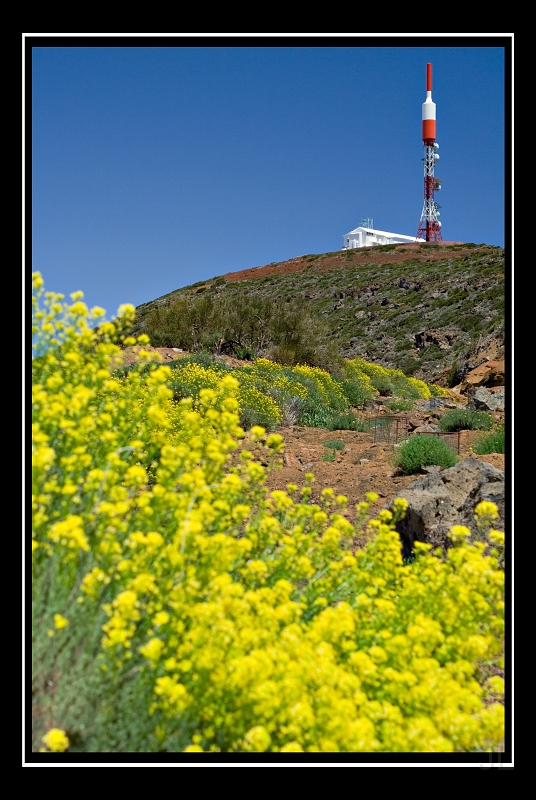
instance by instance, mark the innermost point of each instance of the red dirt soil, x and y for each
(360, 257)
(360, 467)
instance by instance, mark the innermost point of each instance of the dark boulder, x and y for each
(437, 502)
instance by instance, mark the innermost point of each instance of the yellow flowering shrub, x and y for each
(330, 391)
(193, 610)
(388, 381)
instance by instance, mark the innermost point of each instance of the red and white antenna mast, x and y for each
(429, 226)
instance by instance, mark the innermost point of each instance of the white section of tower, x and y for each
(428, 107)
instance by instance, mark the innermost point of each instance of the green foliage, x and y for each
(329, 455)
(409, 365)
(466, 420)
(356, 390)
(318, 417)
(243, 327)
(421, 451)
(245, 353)
(203, 359)
(490, 443)
(469, 322)
(400, 405)
(347, 422)
(335, 444)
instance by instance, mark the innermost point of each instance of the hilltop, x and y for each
(432, 311)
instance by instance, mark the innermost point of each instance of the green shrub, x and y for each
(380, 378)
(490, 443)
(422, 451)
(356, 392)
(399, 405)
(466, 420)
(204, 359)
(347, 422)
(409, 365)
(469, 322)
(329, 455)
(319, 417)
(245, 353)
(335, 444)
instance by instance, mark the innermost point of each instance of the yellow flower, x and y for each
(400, 504)
(153, 649)
(56, 740)
(459, 532)
(126, 310)
(60, 622)
(385, 515)
(496, 685)
(486, 509)
(257, 739)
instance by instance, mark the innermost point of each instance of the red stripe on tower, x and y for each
(428, 129)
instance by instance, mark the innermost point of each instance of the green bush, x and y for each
(466, 420)
(245, 353)
(490, 443)
(422, 451)
(356, 392)
(204, 359)
(335, 444)
(319, 417)
(399, 405)
(409, 365)
(347, 422)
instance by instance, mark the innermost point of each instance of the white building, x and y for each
(364, 236)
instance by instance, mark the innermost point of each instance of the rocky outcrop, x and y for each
(409, 284)
(485, 400)
(443, 339)
(430, 427)
(490, 373)
(437, 502)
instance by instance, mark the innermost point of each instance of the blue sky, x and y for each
(156, 167)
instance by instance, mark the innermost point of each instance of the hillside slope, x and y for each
(434, 312)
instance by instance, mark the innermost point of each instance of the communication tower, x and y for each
(429, 225)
